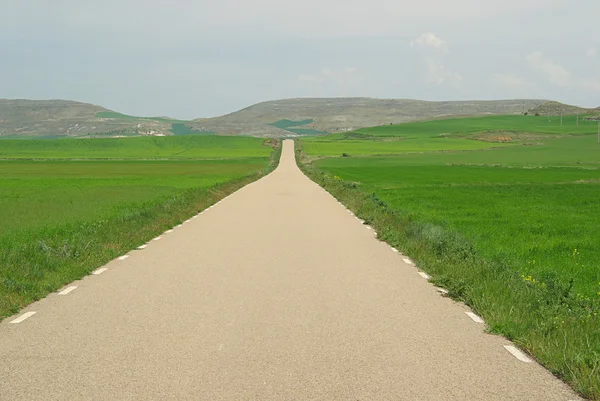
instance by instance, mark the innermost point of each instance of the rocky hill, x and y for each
(556, 108)
(346, 114)
(277, 118)
(67, 118)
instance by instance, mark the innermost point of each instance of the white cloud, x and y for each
(591, 52)
(553, 72)
(429, 40)
(513, 85)
(559, 76)
(438, 74)
(336, 82)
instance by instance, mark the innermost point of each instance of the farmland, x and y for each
(506, 218)
(68, 206)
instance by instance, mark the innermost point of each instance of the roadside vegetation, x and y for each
(69, 206)
(511, 230)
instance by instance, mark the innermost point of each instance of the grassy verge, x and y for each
(97, 221)
(553, 314)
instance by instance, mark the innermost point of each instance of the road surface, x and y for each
(276, 293)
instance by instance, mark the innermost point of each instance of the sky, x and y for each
(190, 59)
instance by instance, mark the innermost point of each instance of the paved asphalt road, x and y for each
(276, 293)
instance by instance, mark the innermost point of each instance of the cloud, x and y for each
(553, 72)
(429, 40)
(438, 74)
(559, 76)
(513, 85)
(434, 50)
(591, 52)
(328, 81)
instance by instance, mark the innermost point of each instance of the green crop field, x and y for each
(179, 147)
(68, 206)
(513, 230)
(120, 116)
(297, 127)
(182, 129)
(453, 134)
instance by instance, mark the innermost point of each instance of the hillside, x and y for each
(346, 114)
(20, 117)
(557, 108)
(289, 117)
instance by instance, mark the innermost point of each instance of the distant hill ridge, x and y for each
(278, 118)
(22, 117)
(556, 108)
(346, 114)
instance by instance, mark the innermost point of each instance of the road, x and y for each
(275, 293)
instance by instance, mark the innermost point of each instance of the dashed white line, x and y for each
(23, 317)
(68, 290)
(181, 225)
(168, 231)
(517, 353)
(123, 257)
(424, 275)
(474, 317)
(99, 271)
(442, 290)
(157, 239)
(407, 261)
(143, 246)
(395, 250)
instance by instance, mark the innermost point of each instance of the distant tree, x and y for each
(345, 155)
(526, 113)
(537, 114)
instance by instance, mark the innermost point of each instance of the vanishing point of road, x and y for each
(275, 293)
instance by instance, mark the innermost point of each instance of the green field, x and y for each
(296, 127)
(69, 206)
(179, 147)
(120, 116)
(450, 135)
(512, 230)
(182, 129)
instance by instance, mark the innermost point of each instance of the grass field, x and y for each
(298, 127)
(66, 210)
(178, 147)
(120, 116)
(512, 231)
(451, 135)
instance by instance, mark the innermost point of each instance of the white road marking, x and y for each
(517, 353)
(143, 246)
(442, 290)
(474, 317)
(157, 239)
(99, 271)
(424, 275)
(123, 257)
(67, 290)
(407, 261)
(23, 317)
(181, 225)
(168, 231)
(395, 250)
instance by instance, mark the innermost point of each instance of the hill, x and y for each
(305, 116)
(288, 117)
(20, 118)
(557, 108)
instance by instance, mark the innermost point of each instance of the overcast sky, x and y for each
(202, 58)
